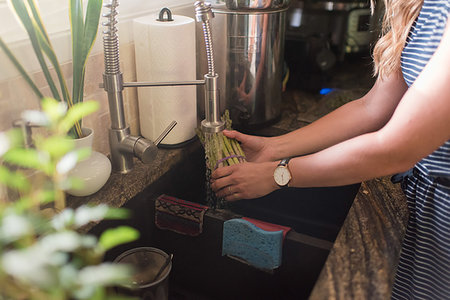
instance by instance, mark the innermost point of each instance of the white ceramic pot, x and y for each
(94, 171)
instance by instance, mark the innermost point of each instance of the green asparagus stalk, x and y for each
(229, 149)
(217, 146)
(237, 147)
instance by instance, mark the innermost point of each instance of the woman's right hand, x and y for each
(256, 148)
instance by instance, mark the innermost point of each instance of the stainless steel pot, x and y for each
(248, 39)
(260, 5)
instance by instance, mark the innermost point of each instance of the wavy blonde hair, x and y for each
(397, 20)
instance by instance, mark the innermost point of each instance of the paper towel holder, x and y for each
(166, 11)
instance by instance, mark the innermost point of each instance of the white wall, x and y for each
(15, 94)
(55, 17)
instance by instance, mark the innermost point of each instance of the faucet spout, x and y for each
(212, 122)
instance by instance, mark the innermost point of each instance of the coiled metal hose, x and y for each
(111, 39)
(203, 13)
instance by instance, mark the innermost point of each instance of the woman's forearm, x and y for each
(364, 115)
(351, 161)
(346, 122)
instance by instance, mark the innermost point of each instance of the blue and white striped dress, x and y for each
(424, 266)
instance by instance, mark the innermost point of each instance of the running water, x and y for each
(219, 151)
(213, 154)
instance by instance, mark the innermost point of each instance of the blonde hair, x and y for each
(397, 20)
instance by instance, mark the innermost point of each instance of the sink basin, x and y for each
(199, 271)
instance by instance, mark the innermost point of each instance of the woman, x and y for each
(402, 123)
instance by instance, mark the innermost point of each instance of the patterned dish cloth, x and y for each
(179, 215)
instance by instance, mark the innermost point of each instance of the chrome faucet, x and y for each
(123, 145)
(212, 122)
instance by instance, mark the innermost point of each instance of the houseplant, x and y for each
(43, 256)
(84, 27)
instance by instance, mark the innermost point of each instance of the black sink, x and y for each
(199, 270)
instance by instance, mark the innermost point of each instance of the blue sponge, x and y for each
(259, 248)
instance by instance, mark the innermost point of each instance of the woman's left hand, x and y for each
(244, 181)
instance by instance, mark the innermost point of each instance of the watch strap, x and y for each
(284, 161)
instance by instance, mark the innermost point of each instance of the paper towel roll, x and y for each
(165, 51)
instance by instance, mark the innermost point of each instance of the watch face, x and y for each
(282, 176)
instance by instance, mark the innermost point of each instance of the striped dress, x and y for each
(423, 271)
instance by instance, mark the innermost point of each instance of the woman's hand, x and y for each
(256, 148)
(244, 181)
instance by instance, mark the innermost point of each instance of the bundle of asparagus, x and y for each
(220, 151)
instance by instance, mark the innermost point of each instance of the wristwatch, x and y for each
(282, 175)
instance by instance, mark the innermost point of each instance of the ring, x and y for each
(229, 189)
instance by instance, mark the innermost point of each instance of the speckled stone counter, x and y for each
(122, 187)
(362, 262)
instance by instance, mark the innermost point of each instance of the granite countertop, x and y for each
(361, 264)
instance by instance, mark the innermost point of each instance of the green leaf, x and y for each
(77, 30)
(117, 213)
(22, 10)
(46, 196)
(23, 204)
(4, 174)
(15, 180)
(71, 183)
(84, 33)
(15, 136)
(20, 68)
(47, 48)
(28, 158)
(55, 110)
(85, 214)
(57, 146)
(91, 22)
(105, 274)
(5, 144)
(37, 17)
(118, 297)
(116, 236)
(77, 112)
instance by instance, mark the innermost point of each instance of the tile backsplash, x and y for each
(16, 96)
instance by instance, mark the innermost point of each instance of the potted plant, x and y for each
(50, 257)
(84, 27)
(96, 169)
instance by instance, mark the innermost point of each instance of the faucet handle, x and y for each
(145, 150)
(165, 133)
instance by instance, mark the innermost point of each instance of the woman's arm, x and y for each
(255, 178)
(419, 125)
(363, 115)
